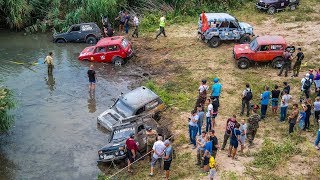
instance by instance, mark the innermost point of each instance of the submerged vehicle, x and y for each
(116, 150)
(140, 101)
(223, 27)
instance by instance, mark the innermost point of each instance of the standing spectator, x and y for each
(286, 63)
(212, 166)
(209, 114)
(284, 105)
(231, 123)
(158, 151)
(132, 149)
(297, 64)
(167, 158)
(265, 96)
(286, 87)
(308, 114)
(317, 80)
(316, 105)
(215, 143)
(275, 99)
(201, 117)
(306, 84)
(151, 139)
(302, 117)
(311, 75)
(49, 61)
(215, 106)
(92, 78)
(316, 143)
(193, 127)
(243, 135)
(136, 26)
(105, 24)
(162, 25)
(246, 98)
(253, 124)
(234, 141)
(206, 160)
(293, 118)
(200, 148)
(122, 18)
(126, 22)
(203, 88)
(216, 89)
(208, 145)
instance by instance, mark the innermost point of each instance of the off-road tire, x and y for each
(293, 7)
(214, 42)
(277, 62)
(60, 41)
(118, 61)
(91, 40)
(245, 39)
(272, 10)
(243, 63)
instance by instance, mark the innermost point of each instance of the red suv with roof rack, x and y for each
(115, 49)
(261, 49)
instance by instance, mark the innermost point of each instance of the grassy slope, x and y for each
(179, 62)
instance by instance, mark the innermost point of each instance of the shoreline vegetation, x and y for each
(6, 104)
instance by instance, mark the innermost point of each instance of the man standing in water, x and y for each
(92, 78)
(49, 61)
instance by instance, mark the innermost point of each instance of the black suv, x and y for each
(84, 32)
(273, 6)
(116, 150)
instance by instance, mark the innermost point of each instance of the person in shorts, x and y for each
(243, 135)
(132, 150)
(275, 93)
(167, 158)
(212, 166)
(92, 78)
(234, 141)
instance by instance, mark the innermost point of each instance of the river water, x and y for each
(55, 134)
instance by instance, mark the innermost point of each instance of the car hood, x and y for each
(244, 25)
(242, 49)
(110, 117)
(87, 51)
(113, 146)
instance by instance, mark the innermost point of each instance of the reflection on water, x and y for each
(50, 81)
(92, 107)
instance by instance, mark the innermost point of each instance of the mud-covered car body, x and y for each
(140, 101)
(261, 49)
(224, 27)
(116, 150)
(273, 6)
(85, 32)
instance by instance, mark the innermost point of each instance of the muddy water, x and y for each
(55, 134)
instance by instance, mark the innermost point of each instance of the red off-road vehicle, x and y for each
(115, 49)
(261, 49)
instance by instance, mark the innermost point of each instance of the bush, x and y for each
(6, 103)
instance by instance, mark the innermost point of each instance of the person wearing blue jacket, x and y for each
(265, 96)
(216, 89)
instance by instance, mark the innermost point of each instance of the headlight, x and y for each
(121, 148)
(117, 153)
(99, 152)
(121, 152)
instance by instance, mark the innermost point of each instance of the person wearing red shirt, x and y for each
(132, 149)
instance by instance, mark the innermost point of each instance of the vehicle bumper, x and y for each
(261, 7)
(115, 158)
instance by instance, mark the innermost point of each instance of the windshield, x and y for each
(254, 45)
(123, 108)
(122, 133)
(124, 43)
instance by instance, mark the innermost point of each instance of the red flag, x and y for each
(205, 25)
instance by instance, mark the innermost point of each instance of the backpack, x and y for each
(248, 95)
(306, 84)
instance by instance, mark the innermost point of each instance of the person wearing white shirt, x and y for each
(136, 25)
(193, 127)
(158, 151)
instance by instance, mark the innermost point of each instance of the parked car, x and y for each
(140, 101)
(261, 49)
(85, 32)
(224, 27)
(115, 149)
(114, 50)
(273, 6)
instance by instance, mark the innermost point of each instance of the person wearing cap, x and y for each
(132, 149)
(151, 139)
(216, 89)
(306, 84)
(158, 151)
(297, 64)
(167, 158)
(253, 124)
(284, 105)
(286, 63)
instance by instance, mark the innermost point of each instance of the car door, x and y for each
(234, 30)
(100, 54)
(85, 30)
(112, 51)
(74, 34)
(224, 30)
(261, 54)
(141, 137)
(276, 50)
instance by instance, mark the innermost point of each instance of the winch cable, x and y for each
(113, 175)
